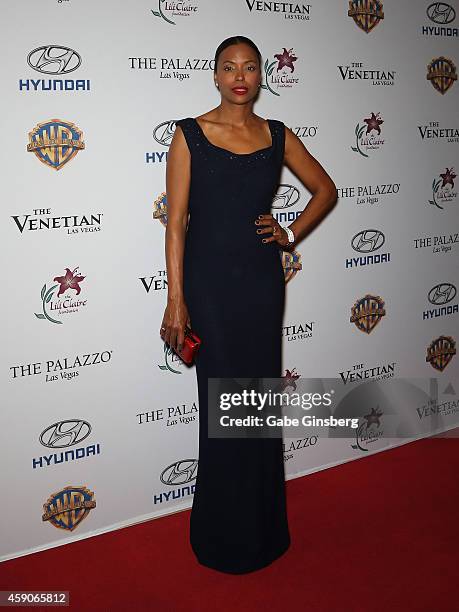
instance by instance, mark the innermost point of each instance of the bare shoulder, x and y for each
(178, 145)
(288, 132)
(290, 135)
(293, 144)
(178, 136)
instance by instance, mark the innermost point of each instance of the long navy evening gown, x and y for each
(234, 289)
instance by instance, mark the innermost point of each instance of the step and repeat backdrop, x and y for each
(100, 419)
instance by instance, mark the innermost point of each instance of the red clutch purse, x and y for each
(191, 343)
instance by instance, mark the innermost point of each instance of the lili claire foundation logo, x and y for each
(64, 303)
(279, 73)
(368, 135)
(369, 431)
(443, 190)
(170, 10)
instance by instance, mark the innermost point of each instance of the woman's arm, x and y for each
(178, 173)
(313, 176)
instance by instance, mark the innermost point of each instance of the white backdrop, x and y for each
(90, 361)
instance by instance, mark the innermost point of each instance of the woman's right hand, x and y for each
(175, 319)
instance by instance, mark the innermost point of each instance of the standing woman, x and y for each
(226, 280)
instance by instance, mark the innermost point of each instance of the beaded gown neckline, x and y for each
(263, 150)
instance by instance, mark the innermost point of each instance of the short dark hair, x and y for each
(236, 40)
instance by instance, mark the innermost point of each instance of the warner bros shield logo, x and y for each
(366, 13)
(441, 72)
(67, 508)
(55, 142)
(440, 352)
(367, 312)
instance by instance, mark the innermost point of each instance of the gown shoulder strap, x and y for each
(189, 131)
(279, 132)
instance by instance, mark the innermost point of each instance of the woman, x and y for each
(226, 280)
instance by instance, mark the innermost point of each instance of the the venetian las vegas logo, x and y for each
(441, 72)
(366, 13)
(367, 312)
(55, 142)
(365, 140)
(440, 352)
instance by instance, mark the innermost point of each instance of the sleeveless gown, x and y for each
(234, 289)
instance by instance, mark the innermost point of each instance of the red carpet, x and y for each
(377, 534)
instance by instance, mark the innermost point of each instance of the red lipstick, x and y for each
(240, 90)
